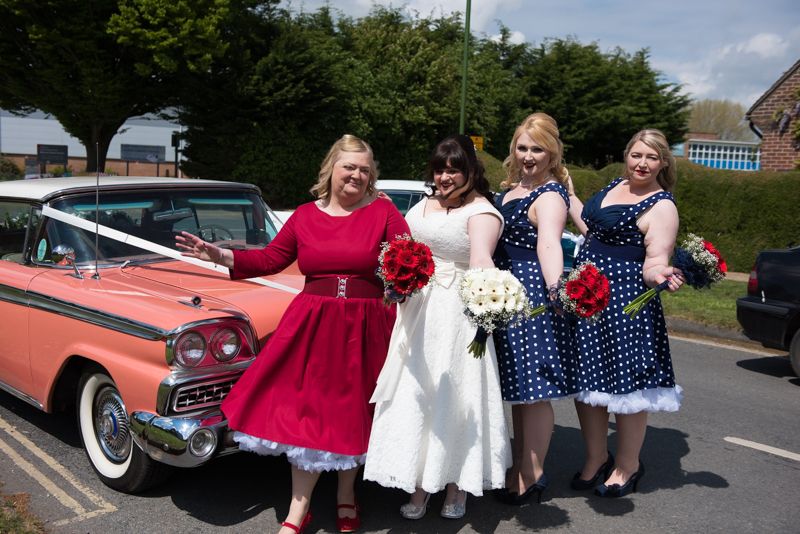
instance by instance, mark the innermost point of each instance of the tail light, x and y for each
(752, 282)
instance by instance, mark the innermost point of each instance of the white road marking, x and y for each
(39, 477)
(726, 346)
(765, 448)
(103, 506)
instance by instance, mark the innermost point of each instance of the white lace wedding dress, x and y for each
(439, 412)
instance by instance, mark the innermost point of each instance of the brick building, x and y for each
(773, 117)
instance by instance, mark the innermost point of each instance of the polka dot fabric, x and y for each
(623, 363)
(530, 354)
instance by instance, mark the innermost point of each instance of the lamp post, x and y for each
(464, 74)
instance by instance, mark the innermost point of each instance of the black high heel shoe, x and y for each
(615, 490)
(579, 484)
(517, 499)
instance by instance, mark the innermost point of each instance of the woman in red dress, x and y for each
(307, 394)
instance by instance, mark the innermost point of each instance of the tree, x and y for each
(83, 61)
(722, 117)
(600, 99)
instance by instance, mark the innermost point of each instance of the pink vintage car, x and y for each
(101, 314)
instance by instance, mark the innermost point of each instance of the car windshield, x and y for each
(230, 219)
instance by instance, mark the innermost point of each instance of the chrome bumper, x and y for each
(181, 441)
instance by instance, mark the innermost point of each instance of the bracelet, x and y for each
(552, 291)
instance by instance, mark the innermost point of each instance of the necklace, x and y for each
(533, 185)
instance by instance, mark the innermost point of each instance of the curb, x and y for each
(682, 326)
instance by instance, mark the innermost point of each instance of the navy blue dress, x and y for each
(623, 363)
(530, 355)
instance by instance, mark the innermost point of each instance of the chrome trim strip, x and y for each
(21, 396)
(71, 310)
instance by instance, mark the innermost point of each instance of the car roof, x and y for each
(402, 185)
(43, 189)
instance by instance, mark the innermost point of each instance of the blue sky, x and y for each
(723, 49)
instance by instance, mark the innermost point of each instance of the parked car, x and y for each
(770, 313)
(143, 346)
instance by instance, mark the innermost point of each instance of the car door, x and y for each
(15, 277)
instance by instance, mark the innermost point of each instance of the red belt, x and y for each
(344, 287)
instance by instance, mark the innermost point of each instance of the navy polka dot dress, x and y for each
(623, 363)
(529, 355)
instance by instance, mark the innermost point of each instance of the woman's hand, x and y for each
(193, 247)
(674, 276)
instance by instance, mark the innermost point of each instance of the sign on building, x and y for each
(55, 154)
(477, 140)
(148, 153)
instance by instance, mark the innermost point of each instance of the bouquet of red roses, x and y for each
(584, 292)
(406, 266)
(699, 261)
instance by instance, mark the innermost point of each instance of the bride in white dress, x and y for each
(439, 418)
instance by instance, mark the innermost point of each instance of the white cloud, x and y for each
(514, 37)
(765, 45)
(740, 71)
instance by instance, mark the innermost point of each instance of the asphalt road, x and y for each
(709, 469)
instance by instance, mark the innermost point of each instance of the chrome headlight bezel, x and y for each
(214, 332)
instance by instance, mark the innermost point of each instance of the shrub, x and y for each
(9, 171)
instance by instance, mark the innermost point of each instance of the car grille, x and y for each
(202, 394)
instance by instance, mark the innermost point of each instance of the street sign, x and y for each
(55, 154)
(477, 140)
(149, 153)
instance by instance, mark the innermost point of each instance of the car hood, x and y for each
(161, 294)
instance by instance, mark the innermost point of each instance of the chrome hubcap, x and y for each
(111, 425)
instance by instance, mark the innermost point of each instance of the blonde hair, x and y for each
(346, 143)
(657, 141)
(542, 128)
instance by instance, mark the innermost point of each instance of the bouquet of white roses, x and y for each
(492, 299)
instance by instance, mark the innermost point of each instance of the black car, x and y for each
(770, 313)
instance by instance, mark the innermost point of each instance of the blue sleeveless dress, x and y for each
(623, 363)
(534, 357)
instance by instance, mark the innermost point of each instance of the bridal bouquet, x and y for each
(492, 299)
(699, 261)
(406, 266)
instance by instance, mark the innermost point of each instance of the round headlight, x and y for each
(190, 349)
(225, 345)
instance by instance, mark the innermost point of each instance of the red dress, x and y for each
(310, 386)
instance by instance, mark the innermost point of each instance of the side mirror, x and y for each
(65, 255)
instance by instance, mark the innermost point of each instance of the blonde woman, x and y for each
(534, 367)
(624, 363)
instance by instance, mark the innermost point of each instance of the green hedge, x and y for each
(740, 212)
(9, 171)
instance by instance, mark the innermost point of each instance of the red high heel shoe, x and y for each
(303, 525)
(348, 524)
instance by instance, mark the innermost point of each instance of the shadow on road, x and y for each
(777, 366)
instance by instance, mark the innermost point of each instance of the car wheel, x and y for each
(794, 353)
(106, 436)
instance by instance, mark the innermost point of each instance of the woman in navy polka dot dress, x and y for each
(624, 364)
(531, 369)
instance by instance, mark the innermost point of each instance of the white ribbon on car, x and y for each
(149, 246)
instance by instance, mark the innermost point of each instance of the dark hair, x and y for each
(459, 151)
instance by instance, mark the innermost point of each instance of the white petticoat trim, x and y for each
(301, 457)
(646, 400)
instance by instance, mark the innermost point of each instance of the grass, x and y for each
(15, 517)
(715, 306)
